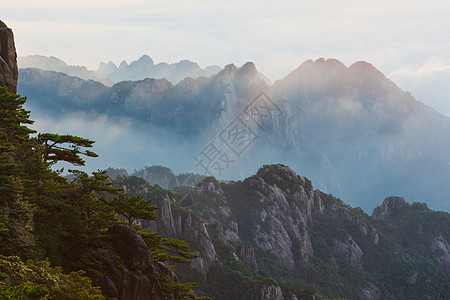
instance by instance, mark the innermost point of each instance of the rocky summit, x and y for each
(8, 59)
(351, 130)
(273, 236)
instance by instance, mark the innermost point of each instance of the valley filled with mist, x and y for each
(351, 130)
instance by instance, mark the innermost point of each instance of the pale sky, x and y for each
(409, 41)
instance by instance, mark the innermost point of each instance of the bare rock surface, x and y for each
(8, 59)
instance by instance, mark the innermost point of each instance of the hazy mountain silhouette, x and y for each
(350, 129)
(109, 73)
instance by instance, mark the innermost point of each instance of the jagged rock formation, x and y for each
(390, 208)
(109, 73)
(174, 223)
(274, 225)
(328, 120)
(8, 59)
(55, 64)
(349, 251)
(268, 292)
(129, 269)
(440, 245)
(144, 67)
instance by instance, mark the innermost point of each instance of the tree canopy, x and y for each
(46, 218)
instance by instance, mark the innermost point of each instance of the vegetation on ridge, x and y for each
(46, 218)
(350, 253)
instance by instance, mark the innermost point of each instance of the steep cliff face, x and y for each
(286, 204)
(272, 218)
(175, 222)
(129, 269)
(439, 245)
(268, 292)
(8, 59)
(330, 121)
(118, 260)
(274, 225)
(124, 269)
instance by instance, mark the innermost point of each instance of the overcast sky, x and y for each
(409, 41)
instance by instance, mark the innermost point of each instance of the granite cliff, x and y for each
(8, 59)
(273, 236)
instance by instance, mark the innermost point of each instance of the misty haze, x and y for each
(329, 122)
(273, 150)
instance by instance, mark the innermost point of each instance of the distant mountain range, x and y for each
(109, 73)
(351, 130)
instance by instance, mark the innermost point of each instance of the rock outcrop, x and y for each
(370, 292)
(122, 266)
(441, 247)
(354, 221)
(390, 208)
(8, 59)
(349, 251)
(267, 292)
(276, 223)
(129, 271)
(177, 223)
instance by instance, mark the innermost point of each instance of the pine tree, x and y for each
(16, 214)
(64, 148)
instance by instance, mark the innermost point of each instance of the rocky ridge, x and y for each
(274, 227)
(331, 121)
(109, 73)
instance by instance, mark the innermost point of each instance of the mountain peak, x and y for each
(248, 70)
(328, 62)
(391, 207)
(322, 63)
(276, 169)
(248, 67)
(145, 59)
(281, 175)
(123, 65)
(186, 62)
(321, 67)
(317, 76)
(231, 68)
(364, 68)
